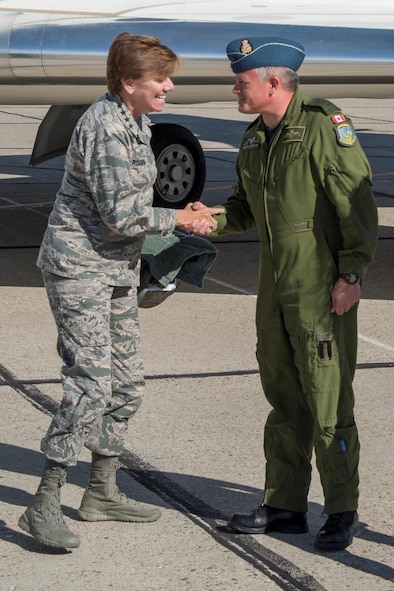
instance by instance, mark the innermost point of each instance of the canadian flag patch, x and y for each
(338, 118)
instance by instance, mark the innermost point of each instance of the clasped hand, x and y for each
(197, 218)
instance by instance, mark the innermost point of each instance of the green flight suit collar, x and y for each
(295, 105)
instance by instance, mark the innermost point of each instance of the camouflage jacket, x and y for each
(103, 209)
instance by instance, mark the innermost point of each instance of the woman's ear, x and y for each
(127, 85)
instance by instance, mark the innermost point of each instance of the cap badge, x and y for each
(245, 47)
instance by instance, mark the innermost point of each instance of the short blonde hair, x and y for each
(136, 56)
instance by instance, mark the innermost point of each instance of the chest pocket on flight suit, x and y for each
(290, 178)
(251, 164)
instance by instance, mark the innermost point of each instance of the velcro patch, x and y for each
(345, 134)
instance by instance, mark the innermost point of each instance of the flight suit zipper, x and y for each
(333, 173)
(268, 161)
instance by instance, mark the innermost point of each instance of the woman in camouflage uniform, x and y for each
(90, 260)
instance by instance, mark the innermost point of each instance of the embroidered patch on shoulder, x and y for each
(338, 118)
(294, 134)
(345, 134)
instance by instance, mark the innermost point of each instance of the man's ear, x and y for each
(273, 82)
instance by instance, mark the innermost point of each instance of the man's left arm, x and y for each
(349, 187)
(344, 296)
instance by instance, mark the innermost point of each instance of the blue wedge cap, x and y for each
(261, 52)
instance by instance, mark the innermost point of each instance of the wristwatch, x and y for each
(350, 277)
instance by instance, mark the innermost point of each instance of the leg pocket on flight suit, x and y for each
(344, 452)
(316, 358)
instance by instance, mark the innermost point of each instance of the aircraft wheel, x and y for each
(180, 162)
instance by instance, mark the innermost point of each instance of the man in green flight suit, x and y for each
(304, 181)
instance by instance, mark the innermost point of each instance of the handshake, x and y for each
(197, 218)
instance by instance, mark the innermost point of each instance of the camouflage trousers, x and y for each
(102, 374)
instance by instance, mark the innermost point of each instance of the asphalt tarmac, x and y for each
(195, 448)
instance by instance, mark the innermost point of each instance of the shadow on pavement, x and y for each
(180, 488)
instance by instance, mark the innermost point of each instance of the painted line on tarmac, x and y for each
(285, 574)
(28, 207)
(229, 286)
(375, 342)
(248, 293)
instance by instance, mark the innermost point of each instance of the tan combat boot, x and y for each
(103, 500)
(43, 518)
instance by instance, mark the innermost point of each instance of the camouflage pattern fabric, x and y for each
(103, 209)
(90, 258)
(103, 374)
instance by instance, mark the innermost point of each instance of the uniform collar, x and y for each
(294, 106)
(135, 126)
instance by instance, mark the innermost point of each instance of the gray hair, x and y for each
(287, 76)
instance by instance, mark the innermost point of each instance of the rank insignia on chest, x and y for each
(251, 143)
(345, 134)
(294, 134)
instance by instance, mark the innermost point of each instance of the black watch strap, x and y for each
(350, 277)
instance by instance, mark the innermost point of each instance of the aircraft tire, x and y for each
(181, 168)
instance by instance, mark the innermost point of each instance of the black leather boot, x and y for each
(338, 531)
(267, 519)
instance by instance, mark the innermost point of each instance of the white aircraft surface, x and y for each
(54, 52)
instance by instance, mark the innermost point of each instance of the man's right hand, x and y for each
(197, 218)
